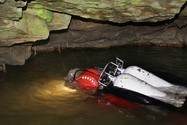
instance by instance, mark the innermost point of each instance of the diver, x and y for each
(132, 83)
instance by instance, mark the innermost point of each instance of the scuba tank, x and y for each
(140, 81)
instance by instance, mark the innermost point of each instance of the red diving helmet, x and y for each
(88, 79)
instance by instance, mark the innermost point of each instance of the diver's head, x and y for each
(70, 78)
(86, 80)
(73, 73)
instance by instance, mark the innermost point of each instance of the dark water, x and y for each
(34, 94)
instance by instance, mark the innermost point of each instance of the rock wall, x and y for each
(29, 25)
(83, 34)
(119, 11)
(15, 55)
(24, 21)
(102, 23)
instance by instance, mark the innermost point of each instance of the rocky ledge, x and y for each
(87, 23)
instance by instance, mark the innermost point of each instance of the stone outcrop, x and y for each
(20, 24)
(23, 21)
(83, 34)
(14, 55)
(106, 24)
(119, 11)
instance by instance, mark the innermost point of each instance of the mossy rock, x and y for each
(42, 13)
(119, 11)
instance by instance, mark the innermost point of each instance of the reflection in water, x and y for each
(35, 93)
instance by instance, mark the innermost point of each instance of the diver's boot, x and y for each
(172, 99)
(179, 90)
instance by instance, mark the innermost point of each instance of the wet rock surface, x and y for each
(115, 10)
(83, 34)
(103, 23)
(21, 24)
(28, 21)
(14, 55)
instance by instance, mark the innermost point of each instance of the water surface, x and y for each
(34, 94)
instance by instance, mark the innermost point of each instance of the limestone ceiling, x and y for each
(29, 21)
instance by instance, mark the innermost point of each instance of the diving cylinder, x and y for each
(129, 82)
(146, 76)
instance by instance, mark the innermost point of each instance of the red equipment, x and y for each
(88, 79)
(88, 82)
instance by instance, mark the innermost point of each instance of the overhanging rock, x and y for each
(119, 11)
(20, 24)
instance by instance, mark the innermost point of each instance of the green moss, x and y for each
(137, 2)
(42, 13)
(60, 21)
(33, 26)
